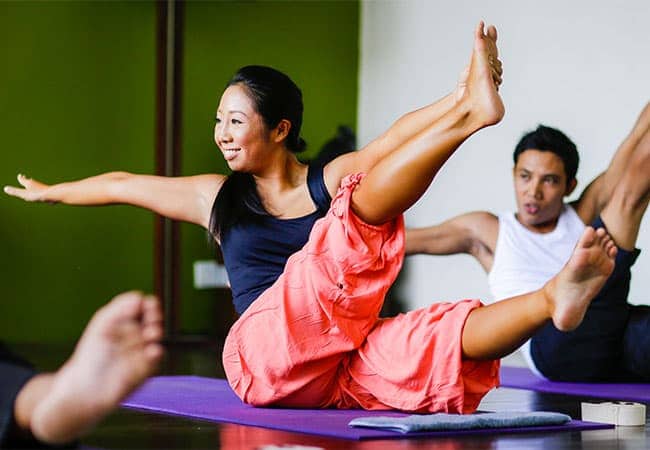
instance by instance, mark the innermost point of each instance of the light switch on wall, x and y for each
(208, 274)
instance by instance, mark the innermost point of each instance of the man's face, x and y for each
(540, 187)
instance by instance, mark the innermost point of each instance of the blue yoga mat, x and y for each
(523, 378)
(212, 399)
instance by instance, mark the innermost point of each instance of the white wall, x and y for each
(580, 66)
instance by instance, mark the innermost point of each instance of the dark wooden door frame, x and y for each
(169, 58)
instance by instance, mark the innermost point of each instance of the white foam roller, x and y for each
(627, 414)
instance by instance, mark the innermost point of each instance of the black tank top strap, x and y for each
(317, 188)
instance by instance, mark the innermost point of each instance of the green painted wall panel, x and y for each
(76, 99)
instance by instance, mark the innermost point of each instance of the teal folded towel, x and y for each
(432, 422)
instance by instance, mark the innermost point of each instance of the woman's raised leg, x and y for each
(496, 330)
(400, 179)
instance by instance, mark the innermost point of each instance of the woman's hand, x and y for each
(31, 191)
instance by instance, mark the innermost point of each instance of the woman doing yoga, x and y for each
(309, 274)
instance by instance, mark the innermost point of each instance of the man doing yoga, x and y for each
(522, 251)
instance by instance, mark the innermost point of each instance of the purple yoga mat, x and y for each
(212, 399)
(523, 378)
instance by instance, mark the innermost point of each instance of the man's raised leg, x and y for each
(593, 351)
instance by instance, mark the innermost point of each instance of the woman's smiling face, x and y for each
(240, 131)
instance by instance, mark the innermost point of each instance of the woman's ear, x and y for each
(281, 131)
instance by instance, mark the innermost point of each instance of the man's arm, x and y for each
(473, 233)
(596, 195)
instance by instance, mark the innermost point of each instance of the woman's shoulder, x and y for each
(337, 169)
(209, 181)
(207, 186)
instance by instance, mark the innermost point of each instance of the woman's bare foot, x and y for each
(479, 84)
(572, 290)
(119, 349)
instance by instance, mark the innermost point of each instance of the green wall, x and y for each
(77, 98)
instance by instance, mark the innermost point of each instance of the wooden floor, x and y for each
(127, 429)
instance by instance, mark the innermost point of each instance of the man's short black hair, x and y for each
(549, 139)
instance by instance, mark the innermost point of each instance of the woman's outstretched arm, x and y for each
(188, 199)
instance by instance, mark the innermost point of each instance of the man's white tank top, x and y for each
(524, 260)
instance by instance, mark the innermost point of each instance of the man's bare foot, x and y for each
(572, 290)
(479, 85)
(119, 349)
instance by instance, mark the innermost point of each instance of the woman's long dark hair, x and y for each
(275, 97)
